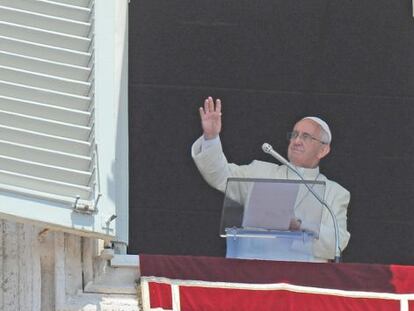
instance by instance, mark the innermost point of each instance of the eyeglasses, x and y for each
(305, 137)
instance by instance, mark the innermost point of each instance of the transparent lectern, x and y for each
(256, 218)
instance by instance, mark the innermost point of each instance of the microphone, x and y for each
(269, 150)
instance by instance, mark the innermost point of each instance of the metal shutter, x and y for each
(47, 99)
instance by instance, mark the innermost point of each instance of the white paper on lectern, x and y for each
(270, 205)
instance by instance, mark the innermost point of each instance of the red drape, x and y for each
(209, 283)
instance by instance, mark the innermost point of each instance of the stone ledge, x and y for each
(114, 281)
(101, 302)
(129, 261)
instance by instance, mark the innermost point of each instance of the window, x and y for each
(63, 114)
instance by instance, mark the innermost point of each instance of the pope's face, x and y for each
(307, 152)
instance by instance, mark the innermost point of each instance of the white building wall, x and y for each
(42, 270)
(20, 267)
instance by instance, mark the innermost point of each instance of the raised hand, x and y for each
(211, 118)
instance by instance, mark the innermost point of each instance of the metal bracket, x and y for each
(81, 207)
(110, 219)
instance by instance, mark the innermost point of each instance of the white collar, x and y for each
(311, 173)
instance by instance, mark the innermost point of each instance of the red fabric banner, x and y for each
(215, 299)
(186, 283)
(160, 295)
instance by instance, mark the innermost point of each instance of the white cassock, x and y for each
(213, 166)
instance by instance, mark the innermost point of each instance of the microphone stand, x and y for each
(269, 149)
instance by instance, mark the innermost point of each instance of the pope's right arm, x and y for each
(212, 163)
(207, 151)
